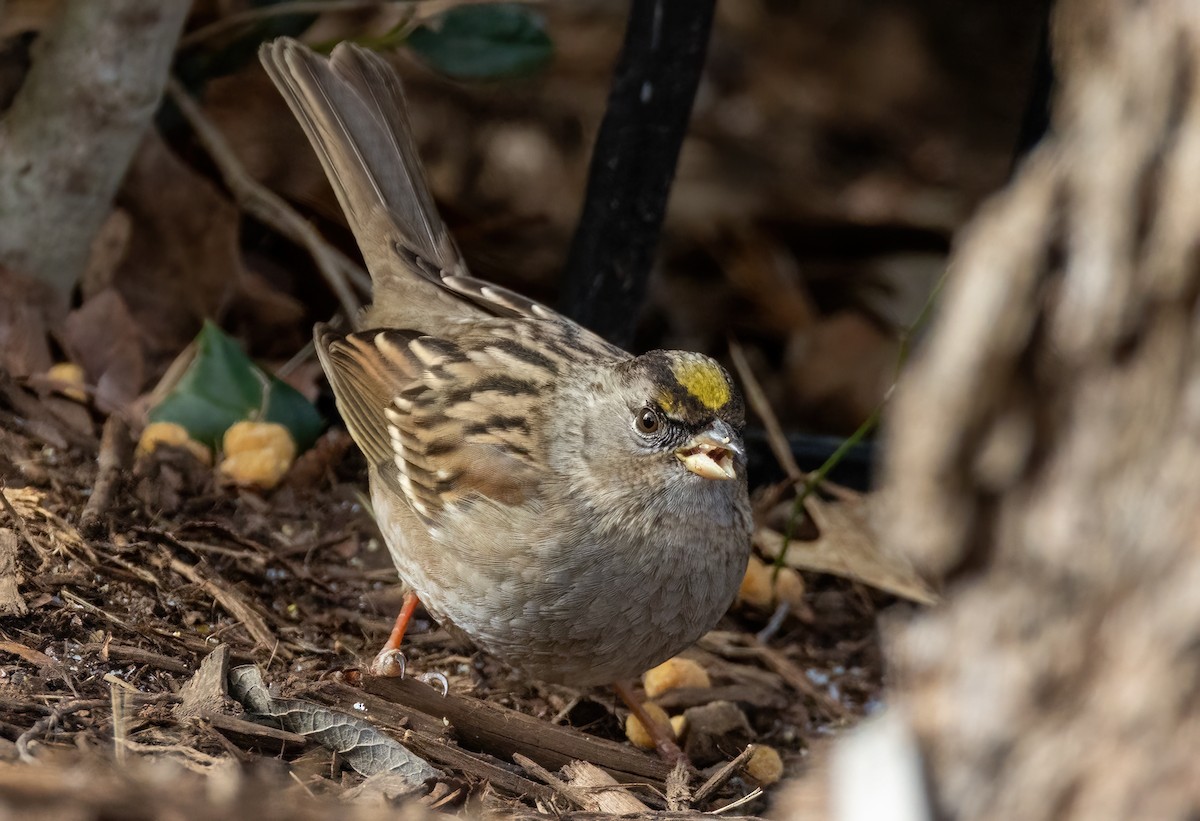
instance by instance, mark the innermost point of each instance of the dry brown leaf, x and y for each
(767, 274)
(103, 338)
(109, 247)
(847, 547)
(363, 747)
(843, 365)
(183, 263)
(266, 318)
(21, 16)
(27, 309)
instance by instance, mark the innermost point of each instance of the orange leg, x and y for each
(390, 661)
(663, 735)
(402, 620)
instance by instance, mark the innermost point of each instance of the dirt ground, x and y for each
(834, 153)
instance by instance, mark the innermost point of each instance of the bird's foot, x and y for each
(436, 680)
(669, 751)
(665, 743)
(390, 663)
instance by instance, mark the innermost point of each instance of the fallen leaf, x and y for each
(183, 262)
(102, 336)
(847, 547)
(27, 309)
(359, 744)
(222, 386)
(109, 247)
(841, 368)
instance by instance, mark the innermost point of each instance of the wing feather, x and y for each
(444, 427)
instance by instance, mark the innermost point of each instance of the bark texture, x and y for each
(1044, 458)
(68, 138)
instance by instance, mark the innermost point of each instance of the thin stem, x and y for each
(816, 477)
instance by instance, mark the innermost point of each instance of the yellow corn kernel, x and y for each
(674, 674)
(70, 374)
(756, 585)
(638, 734)
(169, 433)
(257, 454)
(765, 766)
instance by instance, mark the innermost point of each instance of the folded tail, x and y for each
(352, 108)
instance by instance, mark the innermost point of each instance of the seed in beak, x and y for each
(707, 459)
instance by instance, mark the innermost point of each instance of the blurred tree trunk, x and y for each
(1044, 464)
(68, 138)
(1046, 454)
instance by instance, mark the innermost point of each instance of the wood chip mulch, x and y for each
(119, 576)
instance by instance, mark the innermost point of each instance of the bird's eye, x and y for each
(648, 421)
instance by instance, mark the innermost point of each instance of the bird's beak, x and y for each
(713, 453)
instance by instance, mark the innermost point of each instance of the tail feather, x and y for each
(352, 108)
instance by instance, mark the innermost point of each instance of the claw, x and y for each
(389, 664)
(436, 679)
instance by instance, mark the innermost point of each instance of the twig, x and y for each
(18, 519)
(488, 727)
(189, 757)
(429, 736)
(604, 791)
(793, 675)
(234, 604)
(136, 655)
(254, 15)
(817, 477)
(633, 163)
(50, 721)
(57, 714)
(297, 359)
(678, 791)
(83, 604)
(745, 799)
(447, 798)
(762, 408)
(303, 786)
(270, 208)
(567, 791)
(776, 621)
(718, 779)
(120, 725)
(562, 714)
(116, 452)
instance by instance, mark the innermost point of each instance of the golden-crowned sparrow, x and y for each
(578, 512)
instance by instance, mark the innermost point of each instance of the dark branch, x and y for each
(633, 163)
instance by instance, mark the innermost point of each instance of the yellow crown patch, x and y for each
(704, 380)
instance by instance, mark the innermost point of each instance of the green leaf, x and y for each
(222, 386)
(484, 41)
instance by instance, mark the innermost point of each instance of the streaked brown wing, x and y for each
(445, 421)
